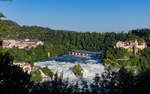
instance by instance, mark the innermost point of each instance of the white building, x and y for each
(10, 43)
(131, 44)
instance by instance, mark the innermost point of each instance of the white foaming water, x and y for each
(91, 66)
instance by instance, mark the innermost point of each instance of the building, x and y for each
(25, 66)
(84, 53)
(131, 44)
(10, 43)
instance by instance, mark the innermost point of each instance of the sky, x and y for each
(80, 15)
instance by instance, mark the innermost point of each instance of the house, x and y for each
(10, 43)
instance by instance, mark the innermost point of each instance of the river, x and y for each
(65, 63)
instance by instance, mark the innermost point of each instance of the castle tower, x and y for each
(48, 54)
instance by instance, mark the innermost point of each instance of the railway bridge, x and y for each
(85, 53)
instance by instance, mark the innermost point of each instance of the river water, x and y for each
(64, 64)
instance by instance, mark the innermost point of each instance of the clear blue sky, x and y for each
(80, 15)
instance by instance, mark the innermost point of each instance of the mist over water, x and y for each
(90, 65)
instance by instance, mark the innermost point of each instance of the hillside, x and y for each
(60, 42)
(70, 39)
(11, 23)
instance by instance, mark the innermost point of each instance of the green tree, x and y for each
(12, 78)
(143, 82)
(1, 15)
(112, 82)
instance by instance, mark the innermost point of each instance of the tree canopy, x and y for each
(13, 80)
(2, 15)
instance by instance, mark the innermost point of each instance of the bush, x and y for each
(77, 70)
(36, 75)
(48, 72)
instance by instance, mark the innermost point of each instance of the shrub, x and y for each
(77, 70)
(36, 75)
(48, 72)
